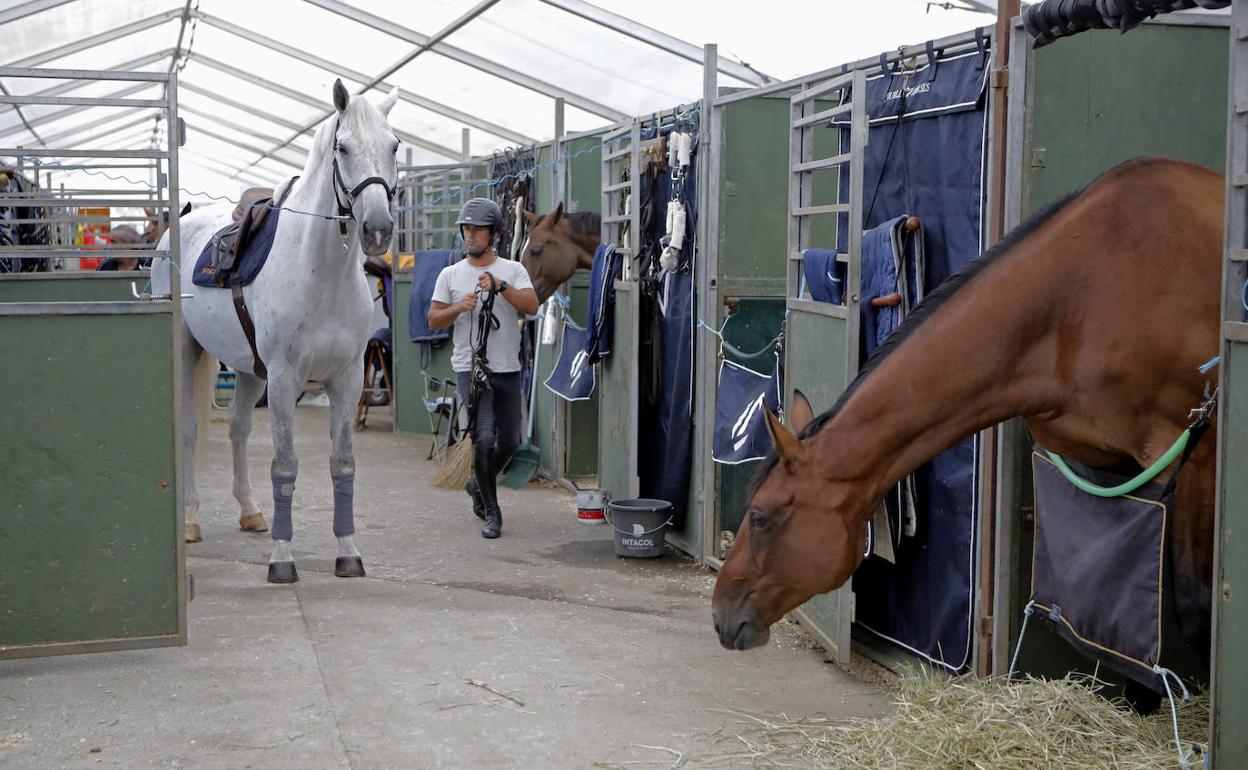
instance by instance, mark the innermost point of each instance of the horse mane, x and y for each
(924, 310)
(582, 222)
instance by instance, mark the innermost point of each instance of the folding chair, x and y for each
(441, 402)
(374, 367)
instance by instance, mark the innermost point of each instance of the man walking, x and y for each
(459, 290)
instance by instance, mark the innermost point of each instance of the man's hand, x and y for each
(486, 281)
(467, 304)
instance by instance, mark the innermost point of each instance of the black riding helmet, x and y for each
(482, 212)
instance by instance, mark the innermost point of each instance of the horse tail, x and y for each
(204, 380)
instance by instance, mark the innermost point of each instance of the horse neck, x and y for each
(972, 363)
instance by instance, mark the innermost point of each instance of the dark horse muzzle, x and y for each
(738, 625)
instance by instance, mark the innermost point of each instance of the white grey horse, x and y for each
(311, 306)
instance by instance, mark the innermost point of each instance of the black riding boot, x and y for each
(487, 488)
(474, 491)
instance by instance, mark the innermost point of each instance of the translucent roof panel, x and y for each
(583, 57)
(256, 77)
(72, 22)
(304, 26)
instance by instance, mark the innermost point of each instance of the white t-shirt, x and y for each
(460, 279)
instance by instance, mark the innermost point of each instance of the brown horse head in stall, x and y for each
(557, 246)
(1090, 321)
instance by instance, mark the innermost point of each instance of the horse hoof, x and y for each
(349, 566)
(283, 572)
(193, 534)
(253, 522)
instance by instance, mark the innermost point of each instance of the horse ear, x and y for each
(529, 216)
(388, 103)
(554, 218)
(800, 413)
(341, 95)
(788, 445)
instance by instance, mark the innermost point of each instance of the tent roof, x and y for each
(255, 78)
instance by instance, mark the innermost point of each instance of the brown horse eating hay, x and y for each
(1090, 321)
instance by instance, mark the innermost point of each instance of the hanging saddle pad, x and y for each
(741, 400)
(574, 377)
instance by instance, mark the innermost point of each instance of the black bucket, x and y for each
(640, 526)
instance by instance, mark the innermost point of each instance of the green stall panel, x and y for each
(584, 173)
(1102, 98)
(410, 415)
(1230, 677)
(584, 193)
(821, 378)
(72, 286)
(617, 377)
(91, 551)
(753, 197)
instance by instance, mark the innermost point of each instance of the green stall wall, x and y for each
(90, 525)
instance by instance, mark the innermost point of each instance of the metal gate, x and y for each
(621, 225)
(833, 330)
(91, 546)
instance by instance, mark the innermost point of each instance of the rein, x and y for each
(344, 209)
(479, 379)
(1181, 448)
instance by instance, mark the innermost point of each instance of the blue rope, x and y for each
(733, 349)
(459, 193)
(1206, 366)
(1022, 632)
(1165, 675)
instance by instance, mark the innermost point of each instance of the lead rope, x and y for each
(1166, 674)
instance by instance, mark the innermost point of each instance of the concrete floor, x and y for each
(540, 649)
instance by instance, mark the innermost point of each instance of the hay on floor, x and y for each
(989, 724)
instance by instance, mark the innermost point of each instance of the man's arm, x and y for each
(523, 300)
(442, 315)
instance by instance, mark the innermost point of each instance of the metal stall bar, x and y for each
(706, 354)
(1228, 743)
(619, 423)
(829, 616)
(1009, 492)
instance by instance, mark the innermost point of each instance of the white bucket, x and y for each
(589, 506)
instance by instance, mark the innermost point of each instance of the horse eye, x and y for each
(340, 148)
(757, 520)
(536, 251)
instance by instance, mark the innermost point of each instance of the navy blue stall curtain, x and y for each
(665, 440)
(742, 401)
(925, 158)
(574, 377)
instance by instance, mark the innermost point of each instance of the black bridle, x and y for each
(344, 209)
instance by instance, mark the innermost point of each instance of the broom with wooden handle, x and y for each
(456, 467)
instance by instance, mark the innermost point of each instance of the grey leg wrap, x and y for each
(283, 497)
(344, 510)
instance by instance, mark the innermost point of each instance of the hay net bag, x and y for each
(1099, 575)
